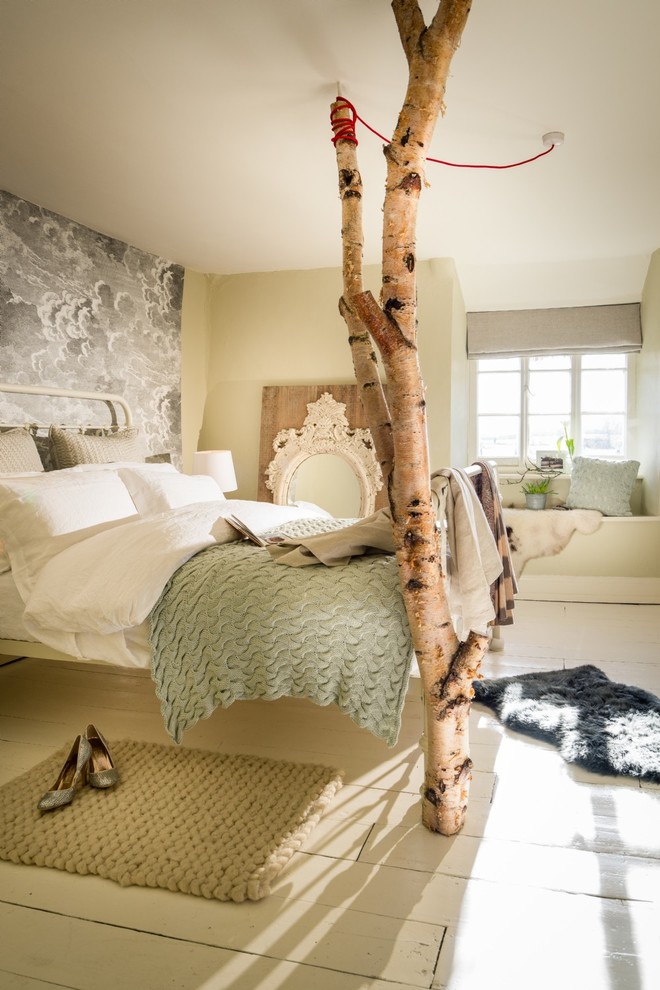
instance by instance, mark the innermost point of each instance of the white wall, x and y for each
(245, 331)
(279, 328)
(648, 389)
(195, 350)
(546, 285)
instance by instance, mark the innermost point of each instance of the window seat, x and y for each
(512, 496)
(622, 546)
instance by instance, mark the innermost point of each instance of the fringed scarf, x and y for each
(504, 587)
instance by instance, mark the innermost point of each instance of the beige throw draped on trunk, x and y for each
(473, 560)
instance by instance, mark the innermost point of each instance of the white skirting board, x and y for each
(564, 588)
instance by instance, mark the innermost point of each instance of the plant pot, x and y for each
(536, 501)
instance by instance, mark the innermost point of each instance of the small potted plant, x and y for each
(536, 493)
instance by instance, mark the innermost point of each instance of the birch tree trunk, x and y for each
(447, 666)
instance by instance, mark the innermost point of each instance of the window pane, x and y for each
(498, 364)
(499, 393)
(603, 390)
(553, 361)
(550, 391)
(603, 436)
(498, 436)
(604, 360)
(543, 433)
(543, 390)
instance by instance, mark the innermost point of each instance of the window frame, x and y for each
(520, 463)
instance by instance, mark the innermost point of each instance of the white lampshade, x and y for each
(219, 465)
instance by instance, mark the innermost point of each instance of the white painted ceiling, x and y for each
(199, 130)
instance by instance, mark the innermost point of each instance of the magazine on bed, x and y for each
(246, 532)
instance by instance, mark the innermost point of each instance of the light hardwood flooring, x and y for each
(553, 884)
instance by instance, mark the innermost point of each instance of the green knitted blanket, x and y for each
(233, 625)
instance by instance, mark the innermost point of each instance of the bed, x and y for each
(111, 559)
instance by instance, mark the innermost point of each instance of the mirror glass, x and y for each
(329, 481)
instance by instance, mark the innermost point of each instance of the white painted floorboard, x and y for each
(553, 884)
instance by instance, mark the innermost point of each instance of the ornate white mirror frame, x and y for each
(325, 431)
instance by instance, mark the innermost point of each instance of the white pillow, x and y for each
(264, 516)
(5, 564)
(154, 492)
(47, 478)
(43, 514)
(158, 467)
(322, 513)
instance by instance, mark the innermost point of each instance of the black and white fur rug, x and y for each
(600, 725)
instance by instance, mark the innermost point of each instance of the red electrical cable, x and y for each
(344, 129)
(525, 161)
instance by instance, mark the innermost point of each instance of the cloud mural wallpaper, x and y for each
(84, 311)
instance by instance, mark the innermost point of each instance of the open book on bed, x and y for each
(245, 531)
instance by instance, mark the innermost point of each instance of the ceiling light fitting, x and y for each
(552, 138)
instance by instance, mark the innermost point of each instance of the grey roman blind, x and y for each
(571, 330)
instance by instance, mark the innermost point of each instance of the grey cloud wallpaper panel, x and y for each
(82, 310)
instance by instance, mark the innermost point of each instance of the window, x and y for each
(522, 404)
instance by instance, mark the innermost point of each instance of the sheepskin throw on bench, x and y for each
(545, 533)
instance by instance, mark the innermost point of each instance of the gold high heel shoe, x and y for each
(101, 771)
(73, 771)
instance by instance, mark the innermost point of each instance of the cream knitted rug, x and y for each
(186, 820)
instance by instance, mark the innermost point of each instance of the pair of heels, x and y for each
(89, 762)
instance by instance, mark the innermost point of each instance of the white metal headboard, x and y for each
(108, 398)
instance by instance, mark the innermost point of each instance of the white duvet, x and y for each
(91, 599)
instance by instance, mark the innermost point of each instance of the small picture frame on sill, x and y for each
(552, 460)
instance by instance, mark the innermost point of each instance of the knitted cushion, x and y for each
(69, 449)
(603, 485)
(18, 452)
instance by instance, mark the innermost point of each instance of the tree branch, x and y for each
(372, 395)
(446, 667)
(365, 363)
(382, 326)
(449, 20)
(410, 22)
